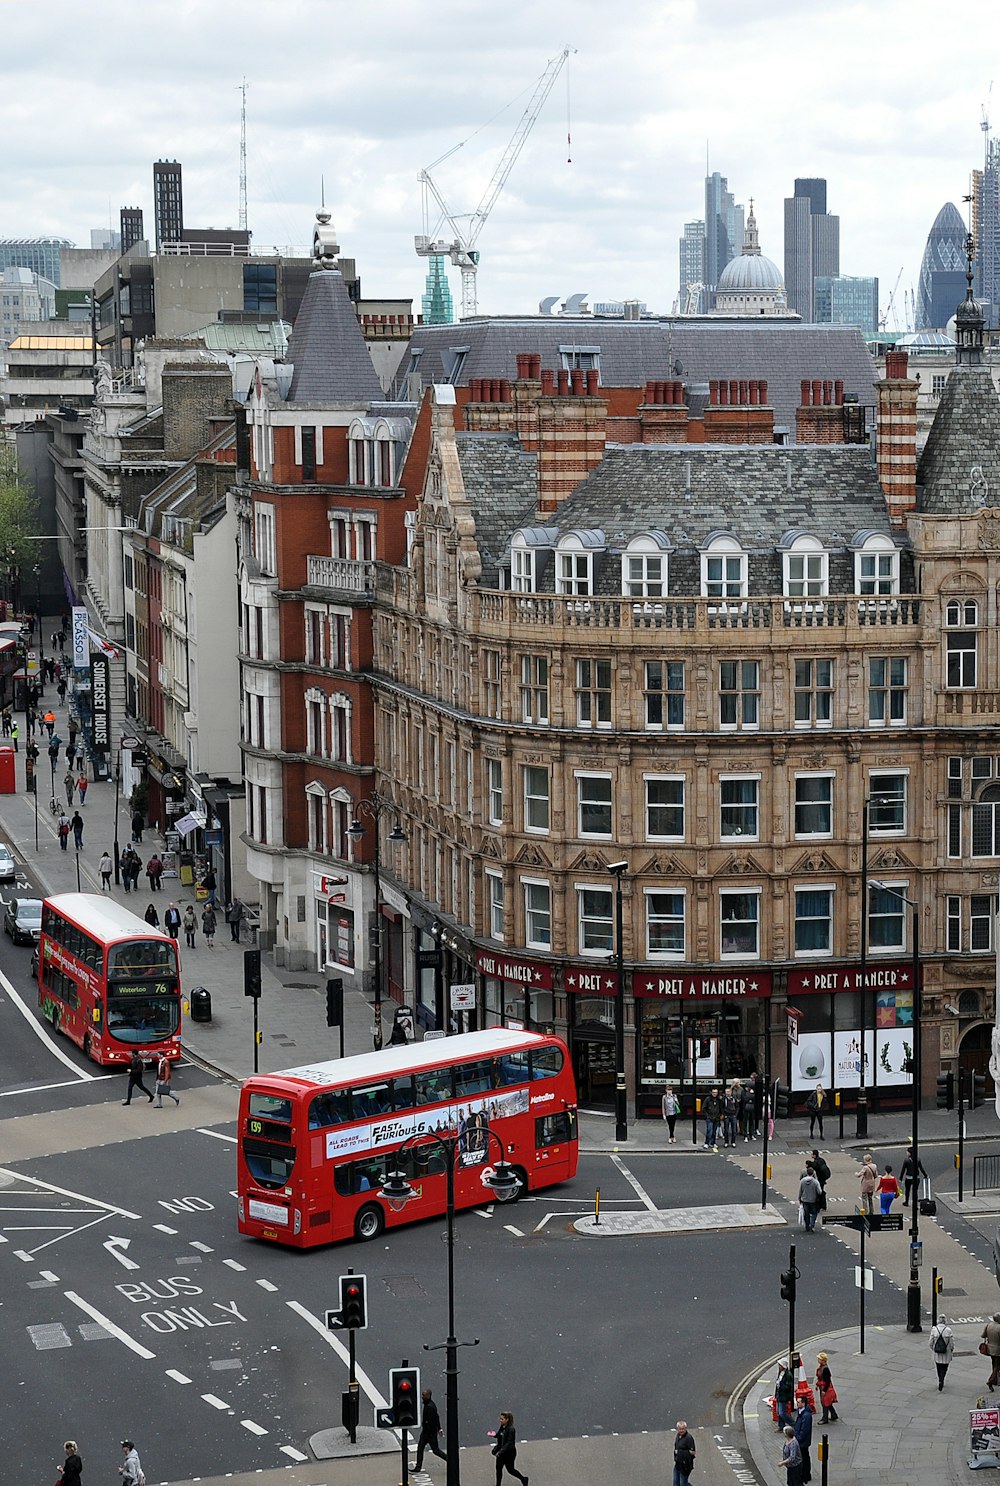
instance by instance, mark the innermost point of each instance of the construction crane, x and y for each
(890, 308)
(462, 248)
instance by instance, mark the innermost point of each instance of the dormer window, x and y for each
(575, 561)
(375, 446)
(522, 569)
(644, 566)
(806, 568)
(525, 547)
(876, 564)
(723, 569)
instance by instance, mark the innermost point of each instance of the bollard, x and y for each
(597, 1207)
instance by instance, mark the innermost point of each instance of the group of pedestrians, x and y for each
(812, 1190)
(130, 1470)
(738, 1110)
(164, 1074)
(886, 1183)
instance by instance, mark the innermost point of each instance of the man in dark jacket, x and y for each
(711, 1108)
(430, 1428)
(683, 1453)
(135, 1078)
(820, 1169)
(911, 1172)
(803, 1426)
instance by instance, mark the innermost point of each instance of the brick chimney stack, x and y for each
(527, 390)
(663, 414)
(896, 437)
(738, 412)
(490, 408)
(572, 431)
(819, 419)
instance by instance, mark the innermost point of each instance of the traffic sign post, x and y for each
(352, 1316)
(463, 1000)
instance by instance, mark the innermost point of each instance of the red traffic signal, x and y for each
(404, 1390)
(354, 1302)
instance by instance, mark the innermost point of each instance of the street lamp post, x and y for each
(913, 1287)
(618, 869)
(397, 1191)
(861, 1130)
(131, 744)
(375, 806)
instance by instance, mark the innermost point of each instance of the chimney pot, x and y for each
(744, 394)
(713, 393)
(522, 364)
(817, 388)
(593, 380)
(754, 390)
(577, 381)
(827, 393)
(548, 381)
(838, 392)
(563, 382)
(763, 391)
(505, 392)
(804, 393)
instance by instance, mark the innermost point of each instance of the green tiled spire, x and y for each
(435, 301)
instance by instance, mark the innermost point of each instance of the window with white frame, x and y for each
(492, 692)
(340, 533)
(340, 641)
(739, 806)
(887, 804)
(887, 914)
(813, 920)
(522, 568)
(876, 566)
(536, 797)
(317, 816)
(535, 689)
(265, 549)
(316, 705)
(342, 810)
(724, 569)
(594, 812)
(494, 791)
(664, 924)
(982, 913)
(739, 694)
(315, 637)
(814, 804)
(986, 823)
(953, 925)
(595, 919)
(887, 685)
(813, 693)
(806, 568)
(340, 728)
(537, 913)
(573, 569)
(663, 694)
(495, 904)
(644, 569)
(593, 693)
(739, 914)
(961, 617)
(664, 807)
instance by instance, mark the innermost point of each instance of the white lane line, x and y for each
(162, 1228)
(24, 1256)
(511, 1229)
(253, 1428)
(371, 1392)
(204, 1248)
(215, 1402)
(68, 1083)
(292, 1453)
(217, 1135)
(178, 1377)
(109, 1326)
(232, 1264)
(94, 1203)
(80, 1074)
(48, 1275)
(636, 1186)
(266, 1285)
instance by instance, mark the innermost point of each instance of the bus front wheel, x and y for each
(369, 1223)
(522, 1177)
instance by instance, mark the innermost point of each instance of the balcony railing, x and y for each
(510, 611)
(343, 574)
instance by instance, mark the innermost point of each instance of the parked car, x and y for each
(22, 920)
(8, 866)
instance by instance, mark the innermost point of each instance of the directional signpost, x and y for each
(865, 1223)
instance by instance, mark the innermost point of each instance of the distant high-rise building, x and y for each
(436, 302)
(723, 231)
(986, 230)
(845, 300)
(942, 270)
(812, 243)
(40, 254)
(692, 262)
(104, 238)
(168, 202)
(132, 230)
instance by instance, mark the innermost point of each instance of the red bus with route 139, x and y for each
(108, 979)
(315, 1143)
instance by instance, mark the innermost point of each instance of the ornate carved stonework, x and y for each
(532, 856)
(989, 530)
(662, 866)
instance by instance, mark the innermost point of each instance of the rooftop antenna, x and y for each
(322, 193)
(243, 154)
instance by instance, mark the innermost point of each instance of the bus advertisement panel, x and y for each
(108, 980)
(317, 1142)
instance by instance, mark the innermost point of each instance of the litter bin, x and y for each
(201, 1005)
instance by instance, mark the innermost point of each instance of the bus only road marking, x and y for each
(109, 1326)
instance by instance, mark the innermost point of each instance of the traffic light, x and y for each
(404, 1391)
(334, 1002)
(788, 1285)
(782, 1099)
(939, 1284)
(946, 1091)
(977, 1094)
(354, 1302)
(251, 973)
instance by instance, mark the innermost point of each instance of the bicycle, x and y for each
(55, 806)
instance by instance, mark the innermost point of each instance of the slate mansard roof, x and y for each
(687, 493)
(327, 350)
(959, 469)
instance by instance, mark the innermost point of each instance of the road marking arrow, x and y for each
(113, 1245)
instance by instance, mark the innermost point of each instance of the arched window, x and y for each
(644, 566)
(806, 565)
(316, 734)
(961, 618)
(876, 564)
(575, 561)
(317, 817)
(340, 727)
(723, 568)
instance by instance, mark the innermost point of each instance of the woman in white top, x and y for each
(942, 1347)
(671, 1109)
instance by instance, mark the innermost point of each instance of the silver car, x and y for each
(8, 866)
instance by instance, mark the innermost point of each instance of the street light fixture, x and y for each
(913, 1288)
(618, 870)
(397, 1191)
(375, 806)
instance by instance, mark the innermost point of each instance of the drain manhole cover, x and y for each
(404, 1286)
(300, 985)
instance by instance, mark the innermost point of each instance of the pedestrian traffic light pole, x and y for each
(617, 870)
(374, 807)
(789, 1278)
(397, 1191)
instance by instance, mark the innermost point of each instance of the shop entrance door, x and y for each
(594, 1068)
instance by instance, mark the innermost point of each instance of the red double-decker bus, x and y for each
(315, 1143)
(108, 980)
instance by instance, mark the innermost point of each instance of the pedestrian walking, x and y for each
(125, 865)
(154, 871)
(791, 1457)
(822, 1171)
(14, 735)
(82, 784)
(54, 745)
(825, 1390)
(430, 1429)
(746, 1111)
(816, 1105)
(105, 866)
(163, 1075)
(758, 1104)
(991, 1341)
(234, 918)
(152, 917)
(505, 1448)
(803, 1427)
(730, 1114)
(69, 785)
(172, 920)
(684, 1452)
(911, 1173)
(76, 821)
(61, 691)
(50, 722)
(190, 923)
(868, 1178)
(209, 925)
(5, 721)
(62, 830)
(137, 825)
(711, 1108)
(671, 1106)
(72, 1466)
(888, 1190)
(131, 1470)
(942, 1348)
(810, 1193)
(210, 882)
(784, 1396)
(135, 1078)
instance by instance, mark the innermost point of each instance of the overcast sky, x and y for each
(883, 98)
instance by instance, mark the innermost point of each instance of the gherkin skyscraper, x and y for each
(942, 271)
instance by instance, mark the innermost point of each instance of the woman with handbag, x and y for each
(990, 1347)
(72, 1467)
(827, 1392)
(505, 1448)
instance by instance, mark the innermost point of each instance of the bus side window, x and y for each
(433, 1086)
(402, 1093)
(552, 1129)
(376, 1099)
(473, 1078)
(546, 1062)
(514, 1068)
(329, 1109)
